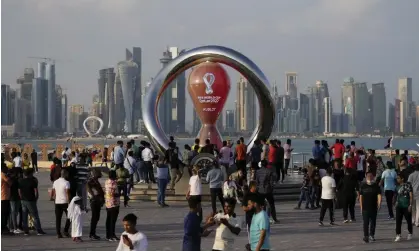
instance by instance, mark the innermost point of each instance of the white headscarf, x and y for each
(73, 209)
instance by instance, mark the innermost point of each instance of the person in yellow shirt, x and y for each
(26, 163)
(197, 144)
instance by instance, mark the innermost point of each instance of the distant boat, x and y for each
(417, 144)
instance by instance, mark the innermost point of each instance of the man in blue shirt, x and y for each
(316, 150)
(259, 229)
(388, 179)
(192, 227)
(118, 153)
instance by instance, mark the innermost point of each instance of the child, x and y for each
(304, 190)
(76, 218)
(131, 239)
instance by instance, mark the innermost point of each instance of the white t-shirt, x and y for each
(64, 155)
(328, 185)
(196, 186)
(224, 238)
(139, 242)
(17, 161)
(229, 189)
(147, 154)
(360, 165)
(225, 154)
(287, 154)
(60, 186)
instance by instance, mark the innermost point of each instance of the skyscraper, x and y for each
(6, 105)
(110, 100)
(39, 103)
(230, 125)
(178, 89)
(135, 56)
(391, 117)
(291, 84)
(126, 73)
(304, 112)
(405, 97)
(246, 106)
(362, 108)
(405, 89)
(348, 103)
(50, 77)
(75, 118)
(379, 102)
(25, 83)
(327, 104)
(165, 104)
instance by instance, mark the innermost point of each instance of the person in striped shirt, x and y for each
(82, 175)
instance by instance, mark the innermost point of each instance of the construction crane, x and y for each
(45, 59)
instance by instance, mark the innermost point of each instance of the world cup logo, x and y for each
(208, 86)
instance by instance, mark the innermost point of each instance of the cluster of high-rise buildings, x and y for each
(363, 109)
(37, 107)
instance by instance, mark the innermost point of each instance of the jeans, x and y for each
(15, 209)
(389, 200)
(400, 213)
(370, 219)
(5, 214)
(175, 176)
(149, 173)
(139, 172)
(315, 195)
(304, 193)
(270, 198)
(82, 193)
(161, 193)
(349, 204)
(216, 192)
(59, 210)
(130, 184)
(287, 164)
(111, 217)
(327, 204)
(35, 166)
(30, 207)
(95, 206)
(122, 188)
(280, 170)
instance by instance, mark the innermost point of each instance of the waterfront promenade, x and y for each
(298, 230)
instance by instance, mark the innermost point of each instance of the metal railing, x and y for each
(299, 160)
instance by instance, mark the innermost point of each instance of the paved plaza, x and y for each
(298, 230)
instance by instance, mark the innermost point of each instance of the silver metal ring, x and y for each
(193, 57)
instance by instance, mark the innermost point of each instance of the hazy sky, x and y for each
(370, 40)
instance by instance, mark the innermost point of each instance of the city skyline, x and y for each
(339, 42)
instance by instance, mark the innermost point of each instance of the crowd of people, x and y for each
(334, 178)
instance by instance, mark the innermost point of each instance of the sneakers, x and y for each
(398, 238)
(17, 231)
(409, 237)
(94, 237)
(353, 220)
(332, 224)
(390, 218)
(297, 208)
(346, 221)
(366, 239)
(321, 223)
(41, 232)
(372, 239)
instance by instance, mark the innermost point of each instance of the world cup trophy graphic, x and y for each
(208, 87)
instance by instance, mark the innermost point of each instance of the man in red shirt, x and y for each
(338, 151)
(241, 157)
(272, 153)
(352, 162)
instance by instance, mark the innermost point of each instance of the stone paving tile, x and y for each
(164, 228)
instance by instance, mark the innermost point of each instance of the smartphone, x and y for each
(125, 236)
